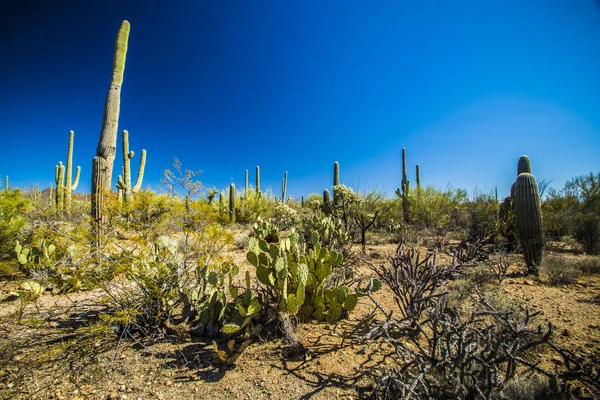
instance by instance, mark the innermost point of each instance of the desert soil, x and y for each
(336, 366)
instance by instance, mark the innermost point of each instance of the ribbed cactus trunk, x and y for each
(246, 185)
(529, 219)
(327, 206)
(336, 179)
(102, 164)
(232, 202)
(126, 191)
(528, 209)
(59, 179)
(302, 203)
(405, 189)
(284, 186)
(70, 186)
(418, 177)
(258, 181)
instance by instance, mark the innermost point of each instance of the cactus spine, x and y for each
(126, 192)
(232, 202)
(70, 186)
(527, 205)
(102, 164)
(284, 186)
(258, 181)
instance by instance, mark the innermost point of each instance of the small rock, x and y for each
(528, 283)
(565, 333)
(168, 382)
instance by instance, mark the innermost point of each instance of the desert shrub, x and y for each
(560, 270)
(587, 232)
(589, 266)
(433, 208)
(12, 221)
(483, 215)
(443, 352)
(250, 207)
(559, 211)
(147, 211)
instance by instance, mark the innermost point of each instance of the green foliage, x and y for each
(433, 208)
(265, 230)
(587, 232)
(12, 222)
(332, 233)
(586, 189)
(249, 209)
(298, 281)
(559, 214)
(483, 216)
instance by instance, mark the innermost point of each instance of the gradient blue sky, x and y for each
(465, 86)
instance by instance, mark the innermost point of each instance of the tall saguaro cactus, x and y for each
(6, 183)
(404, 192)
(232, 202)
(336, 179)
(527, 203)
(258, 181)
(126, 191)
(246, 185)
(69, 186)
(102, 164)
(284, 186)
(418, 177)
(59, 179)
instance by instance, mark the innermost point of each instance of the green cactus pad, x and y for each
(350, 302)
(230, 329)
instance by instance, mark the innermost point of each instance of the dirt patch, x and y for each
(337, 364)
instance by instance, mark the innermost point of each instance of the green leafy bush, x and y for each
(587, 232)
(12, 221)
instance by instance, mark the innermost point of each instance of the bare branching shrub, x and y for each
(442, 352)
(561, 271)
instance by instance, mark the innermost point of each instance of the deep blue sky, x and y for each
(465, 86)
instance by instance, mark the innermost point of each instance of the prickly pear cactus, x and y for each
(298, 280)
